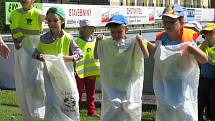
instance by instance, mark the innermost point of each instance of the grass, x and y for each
(9, 109)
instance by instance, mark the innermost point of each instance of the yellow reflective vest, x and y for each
(60, 46)
(86, 66)
(25, 23)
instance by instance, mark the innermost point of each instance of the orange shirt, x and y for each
(188, 35)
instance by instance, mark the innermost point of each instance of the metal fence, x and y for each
(7, 66)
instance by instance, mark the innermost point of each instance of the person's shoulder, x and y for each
(188, 35)
(45, 36)
(14, 12)
(189, 30)
(68, 35)
(106, 40)
(36, 10)
(159, 35)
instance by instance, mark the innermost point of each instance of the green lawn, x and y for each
(9, 110)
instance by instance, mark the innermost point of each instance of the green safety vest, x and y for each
(25, 24)
(87, 66)
(60, 46)
(210, 51)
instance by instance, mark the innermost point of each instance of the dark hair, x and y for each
(63, 25)
(114, 25)
(51, 10)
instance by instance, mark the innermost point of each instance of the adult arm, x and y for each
(4, 50)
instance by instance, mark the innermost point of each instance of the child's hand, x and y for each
(199, 55)
(99, 37)
(141, 43)
(18, 45)
(40, 57)
(69, 58)
(139, 39)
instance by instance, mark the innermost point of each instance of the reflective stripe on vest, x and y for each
(25, 31)
(82, 62)
(25, 24)
(60, 46)
(86, 66)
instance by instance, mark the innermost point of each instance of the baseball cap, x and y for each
(194, 24)
(209, 27)
(117, 19)
(57, 10)
(86, 22)
(173, 11)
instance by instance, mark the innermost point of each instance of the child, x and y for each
(87, 68)
(176, 71)
(122, 69)
(206, 97)
(4, 50)
(26, 26)
(61, 88)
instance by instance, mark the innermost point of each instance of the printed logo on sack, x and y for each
(69, 103)
(29, 21)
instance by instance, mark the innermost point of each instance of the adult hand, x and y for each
(4, 50)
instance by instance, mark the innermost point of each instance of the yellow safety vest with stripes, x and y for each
(60, 46)
(87, 66)
(25, 23)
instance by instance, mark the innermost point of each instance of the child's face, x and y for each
(118, 32)
(210, 36)
(54, 23)
(171, 25)
(87, 30)
(26, 4)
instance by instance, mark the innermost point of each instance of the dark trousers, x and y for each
(89, 84)
(206, 98)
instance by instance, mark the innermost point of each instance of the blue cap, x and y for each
(118, 19)
(177, 8)
(173, 11)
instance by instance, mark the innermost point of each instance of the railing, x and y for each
(8, 37)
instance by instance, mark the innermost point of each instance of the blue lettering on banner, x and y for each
(190, 14)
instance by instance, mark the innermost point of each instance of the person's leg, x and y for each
(80, 86)
(211, 104)
(90, 91)
(202, 96)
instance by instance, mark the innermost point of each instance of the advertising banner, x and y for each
(158, 12)
(74, 13)
(190, 14)
(10, 6)
(140, 15)
(208, 15)
(100, 14)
